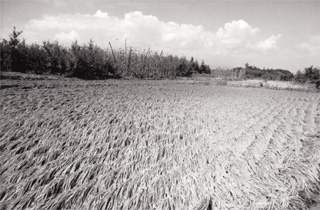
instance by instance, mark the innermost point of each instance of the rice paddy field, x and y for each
(169, 144)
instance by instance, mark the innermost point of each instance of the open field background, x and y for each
(136, 144)
(279, 85)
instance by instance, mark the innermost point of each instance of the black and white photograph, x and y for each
(159, 105)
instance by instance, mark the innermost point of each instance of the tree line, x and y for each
(309, 75)
(89, 61)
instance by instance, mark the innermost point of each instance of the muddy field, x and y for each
(157, 145)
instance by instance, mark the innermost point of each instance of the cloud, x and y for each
(236, 33)
(311, 46)
(100, 14)
(143, 31)
(268, 44)
(67, 37)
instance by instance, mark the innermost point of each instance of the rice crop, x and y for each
(280, 85)
(136, 144)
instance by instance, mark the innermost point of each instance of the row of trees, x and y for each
(267, 74)
(309, 75)
(89, 61)
(253, 72)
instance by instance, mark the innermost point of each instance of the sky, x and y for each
(267, 34)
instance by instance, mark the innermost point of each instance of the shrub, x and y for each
(89, 62)
(5, 56)
(55, 57)
(311, 75)
(36, 59)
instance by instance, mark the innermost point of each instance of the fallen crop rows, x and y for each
(157, 145)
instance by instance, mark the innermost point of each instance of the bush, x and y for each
(310, 75)
(55, 58)
(5, 56)
(89, 62)
(37, 59)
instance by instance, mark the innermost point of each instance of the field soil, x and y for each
(170, 144)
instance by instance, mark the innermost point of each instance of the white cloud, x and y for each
(67, 37)
(100, 14)
(268, 44)
(143, 31)
(236, 33)
(311, 46)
